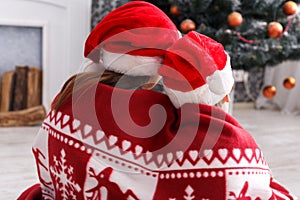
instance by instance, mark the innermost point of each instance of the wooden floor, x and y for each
(278, 135)
(17, 168)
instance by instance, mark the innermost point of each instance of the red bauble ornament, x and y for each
(290, 8)
(289, 83)
(187, 25)
(174, 10)
(235, 19)
(275, 29)
(269, 91)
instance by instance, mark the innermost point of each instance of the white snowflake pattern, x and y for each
(189, 193)
(63, 177)
(189, 190)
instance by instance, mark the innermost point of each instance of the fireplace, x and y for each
(25, 42)
(62, 26)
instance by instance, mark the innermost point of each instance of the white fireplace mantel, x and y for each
(65, 25)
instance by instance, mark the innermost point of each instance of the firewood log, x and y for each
(20, 90)
(26, 117)
(7, 87)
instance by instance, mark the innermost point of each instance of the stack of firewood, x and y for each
(21, 97)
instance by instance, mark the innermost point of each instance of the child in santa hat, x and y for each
(197, 77)
(104, 140)
(124, 52)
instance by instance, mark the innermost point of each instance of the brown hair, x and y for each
(86, 79)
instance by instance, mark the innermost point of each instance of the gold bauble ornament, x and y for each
(290, 8)
(187, 25)
(269, 91)
(275, 29)
(289, 83)
(235, 19)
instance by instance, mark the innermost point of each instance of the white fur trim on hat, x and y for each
(90, 66)
(131, 65)
(217, 86)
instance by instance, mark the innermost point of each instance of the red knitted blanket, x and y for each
(109, 143)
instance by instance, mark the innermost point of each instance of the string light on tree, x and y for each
(187, 25)
(275, 29)
(289, 83)
(269, 91)
(174, 10)
(235, 19)
(290, 8)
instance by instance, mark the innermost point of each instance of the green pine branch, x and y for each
(210, 17)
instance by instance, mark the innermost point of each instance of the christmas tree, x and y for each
(255, 33)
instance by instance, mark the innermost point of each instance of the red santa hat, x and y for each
(132, 39)
(196, 69)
